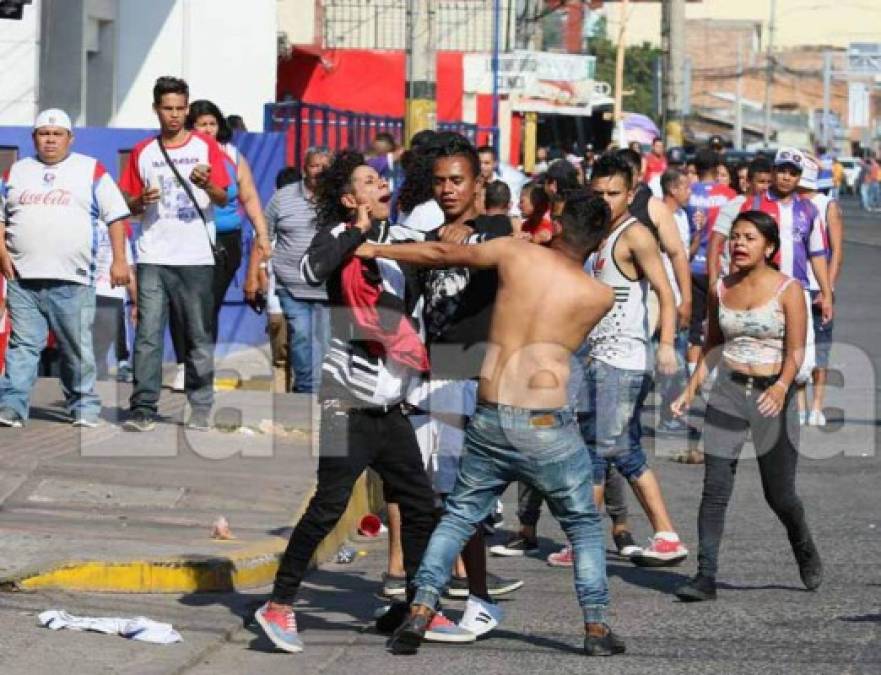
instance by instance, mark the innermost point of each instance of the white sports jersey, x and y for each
(822, 202)
(172, 232)
(620, 339)
(52, 213)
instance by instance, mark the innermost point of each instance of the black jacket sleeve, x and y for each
(328, 250)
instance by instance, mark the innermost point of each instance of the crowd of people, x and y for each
(464, 327)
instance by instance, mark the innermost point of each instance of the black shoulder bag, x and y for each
(219, 254)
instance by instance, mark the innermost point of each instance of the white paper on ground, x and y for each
(137, 628)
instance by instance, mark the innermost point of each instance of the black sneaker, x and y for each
(10, 418)
(625, 544)
(140, 420)
(409, 635)
(607, 645)
(495, 585)
(390, 620)
(810, 567)
(697, 589)
(517, 546)
(393, 586)
(200, 420)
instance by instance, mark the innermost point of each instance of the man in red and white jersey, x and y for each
(51, 207)
(175, 203)
(655, 161)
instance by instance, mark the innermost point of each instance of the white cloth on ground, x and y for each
(137, 628)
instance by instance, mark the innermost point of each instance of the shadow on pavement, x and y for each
(655, 578)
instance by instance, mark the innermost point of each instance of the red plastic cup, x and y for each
(370, 525)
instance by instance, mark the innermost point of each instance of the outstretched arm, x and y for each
(438, 254)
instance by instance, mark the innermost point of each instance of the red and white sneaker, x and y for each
(280, 627)
(562, 558)
(664, 550)
(441, 629)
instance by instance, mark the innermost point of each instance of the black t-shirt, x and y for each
(639, 207)
(458, 351)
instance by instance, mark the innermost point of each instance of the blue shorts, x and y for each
(610, 425)
(822, 333)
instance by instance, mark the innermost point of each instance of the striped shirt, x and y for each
(290, 216)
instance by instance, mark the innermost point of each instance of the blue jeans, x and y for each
(68, 309)
(543, 448)
(187, 291)
(610, 427)
(308, 333)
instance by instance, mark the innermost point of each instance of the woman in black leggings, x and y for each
(757, 325)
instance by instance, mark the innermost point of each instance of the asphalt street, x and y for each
(762, 622)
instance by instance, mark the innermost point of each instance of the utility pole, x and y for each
(420, 88)
(619, 73)
(738, 99)
(673, 26)
(827, 97)
(769, 72)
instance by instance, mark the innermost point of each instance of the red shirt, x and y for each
(654, 166)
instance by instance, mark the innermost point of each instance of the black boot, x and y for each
(697, 589)
(810, 567)
(409, 635)
(607, 644)
(389, 622)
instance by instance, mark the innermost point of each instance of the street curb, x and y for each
(249, 567)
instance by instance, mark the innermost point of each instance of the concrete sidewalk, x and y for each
(105, 510)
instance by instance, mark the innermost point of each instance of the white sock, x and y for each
(667, 536)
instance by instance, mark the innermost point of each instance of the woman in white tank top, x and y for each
(756, 333)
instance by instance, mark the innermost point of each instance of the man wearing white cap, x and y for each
(50, 209)
(809, 186)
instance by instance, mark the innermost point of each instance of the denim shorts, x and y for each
(610, 426)
(822, 333)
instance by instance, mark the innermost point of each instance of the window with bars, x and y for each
(461, 25)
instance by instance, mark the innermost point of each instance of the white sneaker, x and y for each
(180, 379)
(817, 418)
(480, 617)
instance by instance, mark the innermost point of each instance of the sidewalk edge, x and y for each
(249, 567)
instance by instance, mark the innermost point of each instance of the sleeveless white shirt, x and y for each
(620, 339)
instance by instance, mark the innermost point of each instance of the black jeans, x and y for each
(229, 248)
(731, 414)
(109, 330)
(349, 441)
(185, 290)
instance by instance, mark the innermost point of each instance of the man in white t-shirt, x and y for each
(110, 317)
(51, 206)
(175, 252)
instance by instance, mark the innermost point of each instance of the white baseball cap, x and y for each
(53, 117)
(810, 172)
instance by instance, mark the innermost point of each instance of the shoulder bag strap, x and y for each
(186, 186)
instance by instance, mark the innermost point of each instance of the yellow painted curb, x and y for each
(250, 567)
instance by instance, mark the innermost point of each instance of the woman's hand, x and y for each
(682, 404)
(770, 403)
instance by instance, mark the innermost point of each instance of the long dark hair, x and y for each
(206, 107)
(418, 165)
(333, 183)
(767, 227)
(535, 193)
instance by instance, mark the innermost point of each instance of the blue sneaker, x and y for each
(280, 627)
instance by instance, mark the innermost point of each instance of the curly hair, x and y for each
(418, 168)
(333, 183)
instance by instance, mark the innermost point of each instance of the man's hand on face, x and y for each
(455, 234)
(120, 273)
(362, 220)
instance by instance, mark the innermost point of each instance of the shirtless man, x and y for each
(523, 429)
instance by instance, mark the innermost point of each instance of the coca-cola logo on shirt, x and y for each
(56, 197)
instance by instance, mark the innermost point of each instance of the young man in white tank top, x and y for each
(629, 260)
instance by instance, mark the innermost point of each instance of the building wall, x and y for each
(799, 22)
(225, 54)
(296, 21)
(19, 63)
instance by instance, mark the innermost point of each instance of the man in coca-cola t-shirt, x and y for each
(50, 209)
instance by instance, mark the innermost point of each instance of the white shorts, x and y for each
(441, 441)
(810, 361)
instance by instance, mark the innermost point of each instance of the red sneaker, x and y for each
(562, 558)
(662, 551)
